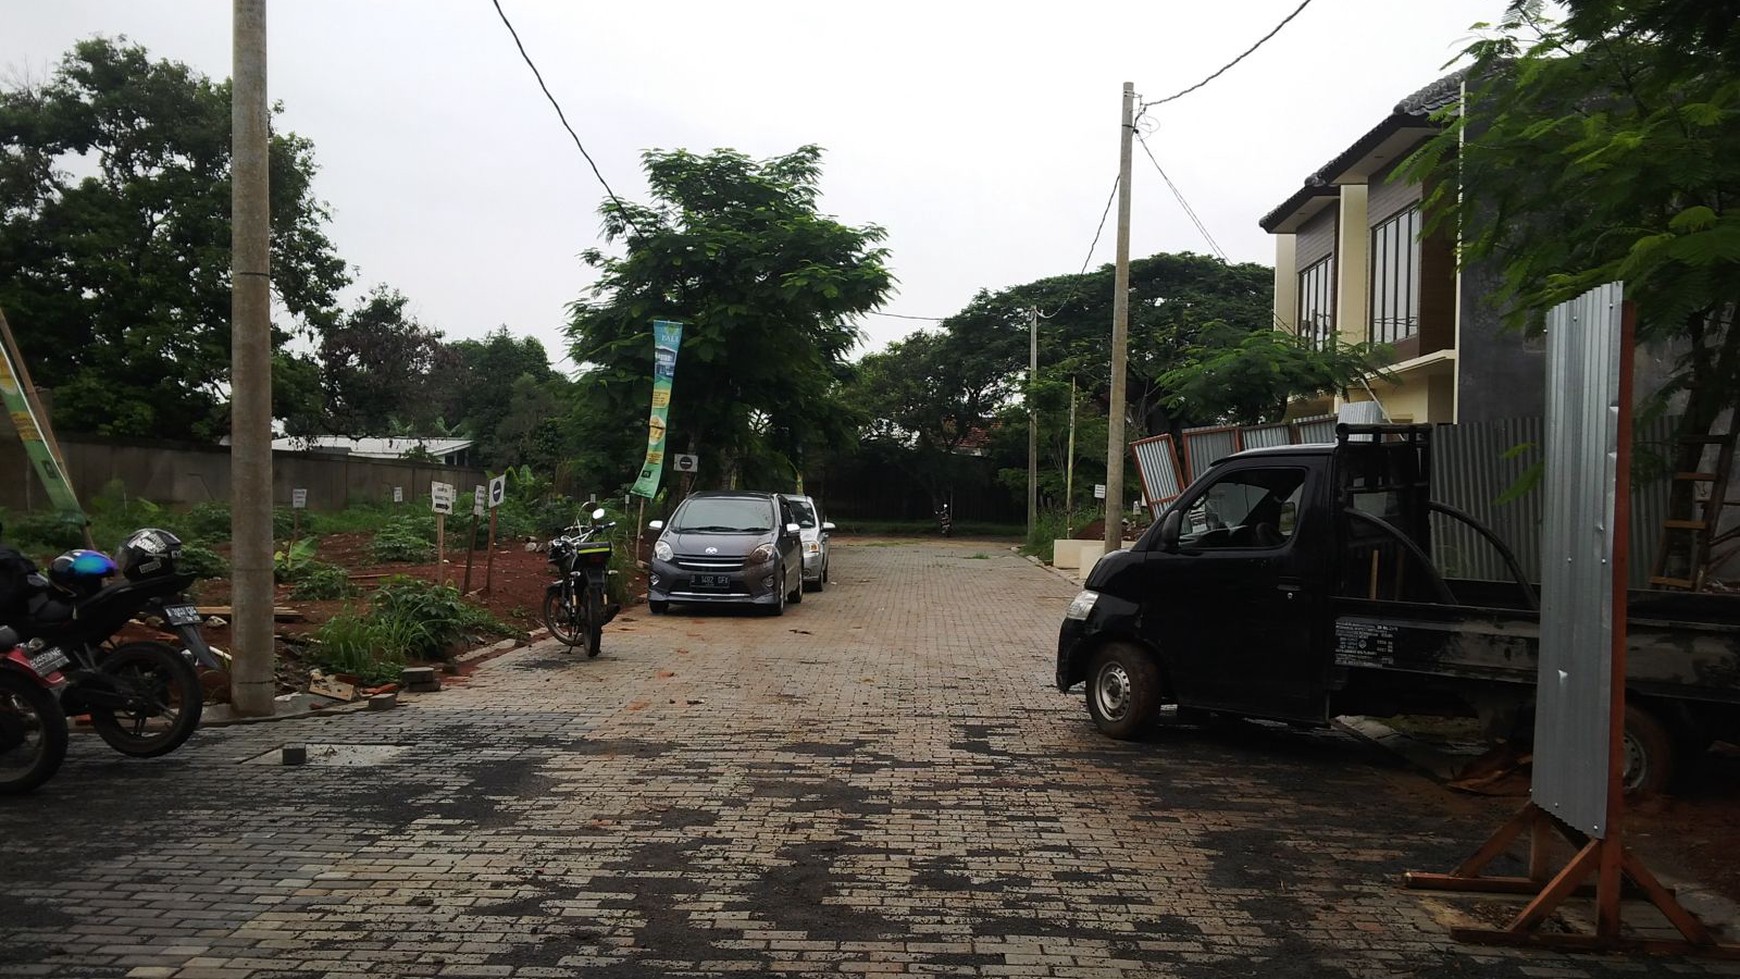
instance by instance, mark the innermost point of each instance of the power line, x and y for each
(1224, 68)
(903, 316)
(1189, 211)
(1096, 242)
(621, 209)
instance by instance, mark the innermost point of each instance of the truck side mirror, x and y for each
(1170, 526)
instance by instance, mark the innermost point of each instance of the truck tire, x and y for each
(1648, 755)
(1123, 690)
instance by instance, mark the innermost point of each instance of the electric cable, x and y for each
(621, 208)
(1097, 231)
(1226, 67)
(1189, 211)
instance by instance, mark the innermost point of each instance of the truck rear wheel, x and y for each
(1649, 755)
(1123, 690)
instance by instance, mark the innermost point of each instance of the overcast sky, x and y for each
(983, 136)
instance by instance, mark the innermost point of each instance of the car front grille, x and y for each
(709, 563)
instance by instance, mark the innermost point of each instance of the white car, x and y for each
(814, 531)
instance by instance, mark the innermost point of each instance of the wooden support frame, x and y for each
(1605, 859)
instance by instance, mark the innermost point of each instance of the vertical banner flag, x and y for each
(36, 447)
(666, 337)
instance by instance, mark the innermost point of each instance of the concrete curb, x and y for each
(339, 707)
(1066, 576)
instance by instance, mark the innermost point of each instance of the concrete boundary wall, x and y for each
(182, 473)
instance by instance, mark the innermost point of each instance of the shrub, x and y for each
(205, 521)
(44, 533)
(404, 538)
(202, 562)
(426, 618)
(320, 582)
(351, 642)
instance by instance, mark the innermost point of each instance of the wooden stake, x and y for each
(470, 549)
(441, 546)
(489, 560)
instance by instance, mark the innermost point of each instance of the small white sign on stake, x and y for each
(299, 499)
(1099, 491)
(441, 497)
(497, 490)
(478, 496)
(398, 494)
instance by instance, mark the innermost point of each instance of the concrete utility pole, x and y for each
(251, 682)
(1032, 421)
(1120, 335)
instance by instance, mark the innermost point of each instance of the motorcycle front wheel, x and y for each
(562, 617)
(32, 734)
(163, 699)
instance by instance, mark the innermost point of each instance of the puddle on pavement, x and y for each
(338, 755)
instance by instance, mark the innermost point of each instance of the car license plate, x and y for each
(48, 661)
(717, 582)
(181, 615)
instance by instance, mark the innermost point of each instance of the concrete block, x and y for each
(420, 679)
(383, 701)
(293, 754)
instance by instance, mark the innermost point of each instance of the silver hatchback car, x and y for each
(814, 531)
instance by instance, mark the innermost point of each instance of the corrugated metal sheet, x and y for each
(1157, 464)
(1315, 431)
(1470, 472)
(1572, 715)
(1202, 446)
(1265, 436)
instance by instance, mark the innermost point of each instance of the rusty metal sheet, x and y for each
(1202, 446)
(1315, 431)
(1581, 444)
(1157, 464)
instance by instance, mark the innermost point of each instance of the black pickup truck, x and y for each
(1296, 584)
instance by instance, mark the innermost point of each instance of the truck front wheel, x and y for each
(1649, 754)
(1123, 690)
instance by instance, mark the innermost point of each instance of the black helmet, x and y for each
(80, 571)
(148, 553)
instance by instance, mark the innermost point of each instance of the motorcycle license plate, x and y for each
(181, 615)
(713, 582)
(48, 661)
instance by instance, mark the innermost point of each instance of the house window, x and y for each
(1317, 303)
(1395, 278)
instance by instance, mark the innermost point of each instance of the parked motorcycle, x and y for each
(576, 604)
(32, 725)
(945, 521)
(144, 697)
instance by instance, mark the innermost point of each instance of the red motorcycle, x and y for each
(33, 732)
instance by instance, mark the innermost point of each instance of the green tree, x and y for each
(1237, 377)
(479, 384)
(115, 238)
(1608, 147)
(928, 396)
(378, 366)
(768, 290)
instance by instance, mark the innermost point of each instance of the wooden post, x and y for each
(470, 548)
(441, 546)
(489, 560)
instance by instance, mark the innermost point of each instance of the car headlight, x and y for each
(1082, 605)
(763, 554)
(814, 547)
(662, 551)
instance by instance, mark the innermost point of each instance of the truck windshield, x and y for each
(1248, 508)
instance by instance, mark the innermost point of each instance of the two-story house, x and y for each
(1352, 261)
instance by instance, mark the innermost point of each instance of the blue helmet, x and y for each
(81, 570)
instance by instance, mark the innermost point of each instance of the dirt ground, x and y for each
(511, 587)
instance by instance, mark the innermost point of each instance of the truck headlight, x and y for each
(1082, 605)
(662, 551)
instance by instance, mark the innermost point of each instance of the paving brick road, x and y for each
(881, 782)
